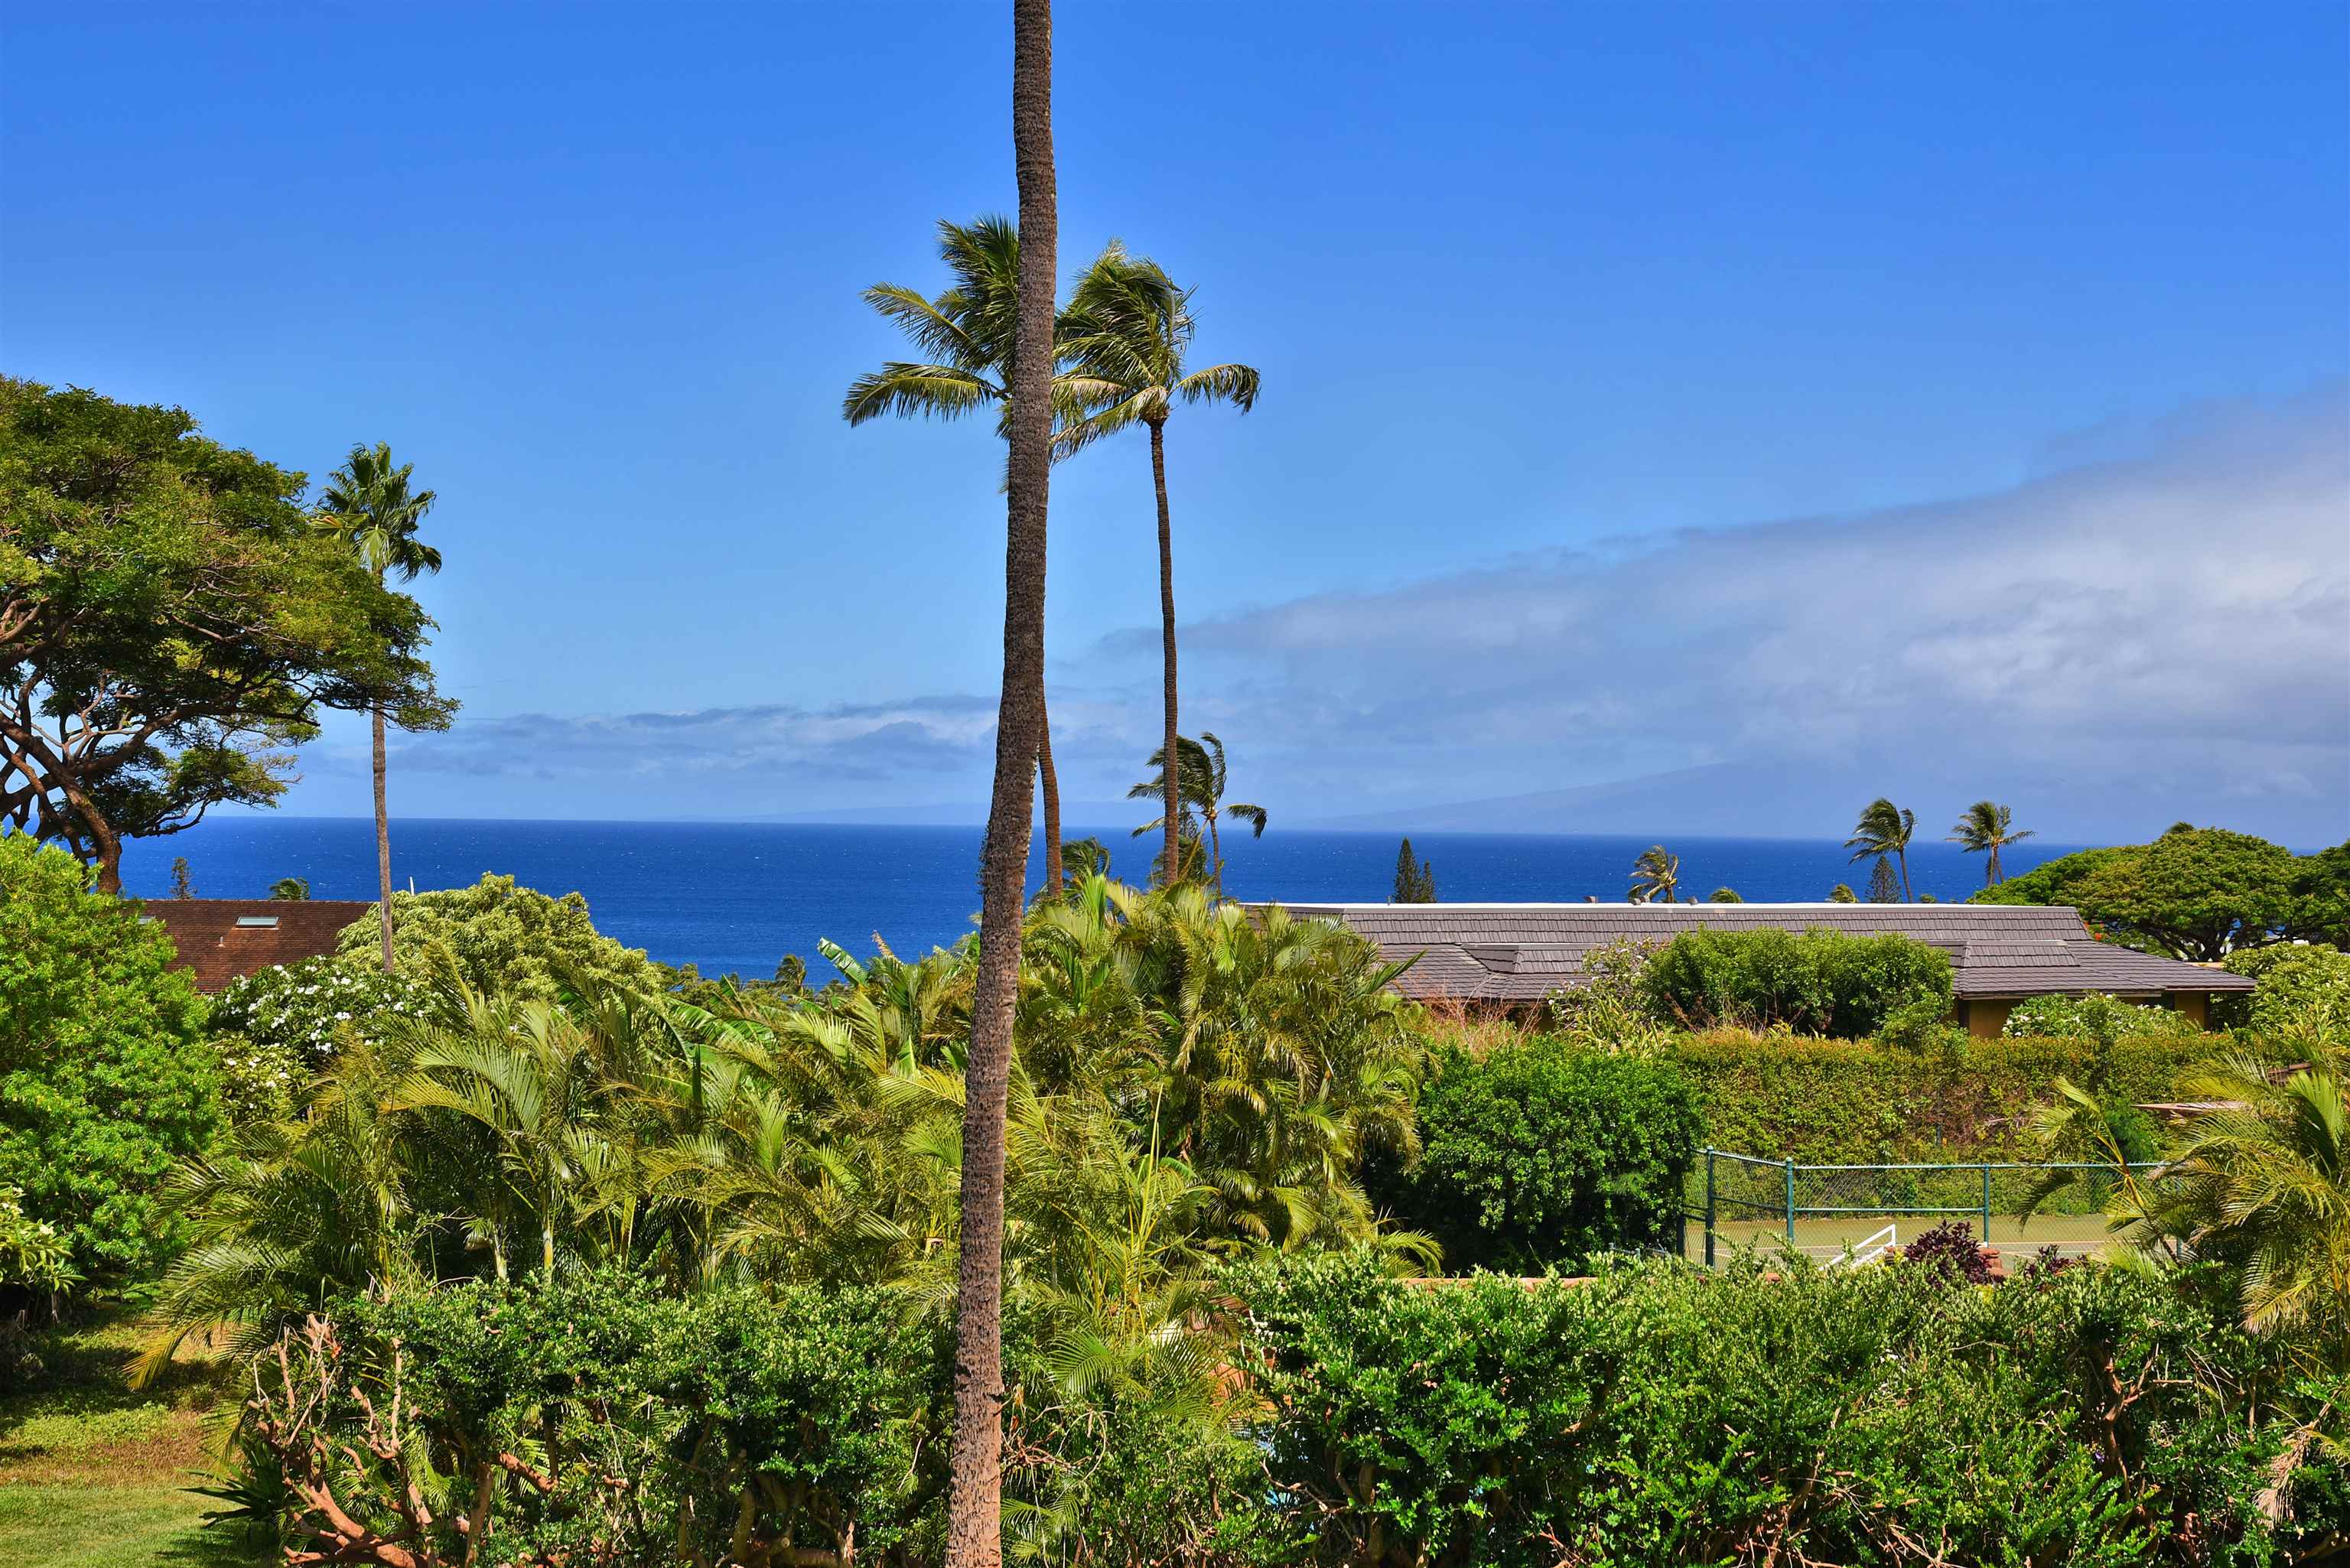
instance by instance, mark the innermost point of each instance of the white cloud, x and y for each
(2163, 632)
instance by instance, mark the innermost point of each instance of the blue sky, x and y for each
(1949, 396)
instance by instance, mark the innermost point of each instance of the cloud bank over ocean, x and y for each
(2161, 628)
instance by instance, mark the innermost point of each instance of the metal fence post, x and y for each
(1986, 1229)
(1708, 1209)
(1790, 1200)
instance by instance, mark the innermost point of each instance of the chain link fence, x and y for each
(1736, 1201)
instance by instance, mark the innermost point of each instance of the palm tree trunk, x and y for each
(1168, 741)
(1901, 854)
(975, 1455)
(382, 844)
(1051, 785)
(1216, 849)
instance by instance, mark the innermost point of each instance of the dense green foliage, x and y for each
(1657, 1416)
(105, 1078)
(1191, 1081)
(1650, 1416)
(2195, 893)
(277, 1026)
(2094, 1016)
(172, 623)
(1816, 981)
(2301, 986)
(1839, 1102)
(1541, 1155)
(503, 938)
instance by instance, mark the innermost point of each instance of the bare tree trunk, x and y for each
(382, 843)
(1051, 784)
(1168, 742)
(975, 1486)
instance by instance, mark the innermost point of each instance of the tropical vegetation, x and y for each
(1127, 336)
(1985, 829)
(2196, 893)
(1884, 831)
(370, 507)
(170, 624)
(106, 1078)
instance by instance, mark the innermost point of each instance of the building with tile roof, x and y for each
(223, 939)
(1516, 955)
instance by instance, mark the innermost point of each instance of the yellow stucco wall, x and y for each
(2194, 1004)
(1986, 1019)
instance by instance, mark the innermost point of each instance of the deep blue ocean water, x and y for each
(737, 897)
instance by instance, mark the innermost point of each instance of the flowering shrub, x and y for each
(2092, 1017)
(276, 1027)
(298, 1013)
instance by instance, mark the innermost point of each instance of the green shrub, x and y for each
(1658, 1415)
(1857, 1102)
(503, 938)
(105, 1076)
(734, 1426)
(1816, 981)
(277, 1026)
(1541, 1154)
(2093, 1017)
(2294, 982)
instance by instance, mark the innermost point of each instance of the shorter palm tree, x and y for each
(1656, 875)
(1200, 787)
(1885, 829)
(1986, 829)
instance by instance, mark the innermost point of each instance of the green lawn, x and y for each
(93, 1473)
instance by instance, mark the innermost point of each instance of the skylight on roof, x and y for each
(266, 922)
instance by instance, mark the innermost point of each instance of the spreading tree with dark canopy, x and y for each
(170, 624)
(2195, 893)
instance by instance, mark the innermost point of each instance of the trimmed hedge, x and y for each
(1856, 1102)
(1541, 1155)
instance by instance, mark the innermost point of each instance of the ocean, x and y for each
(734, 897)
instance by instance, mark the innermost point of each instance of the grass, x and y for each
(94, 1472)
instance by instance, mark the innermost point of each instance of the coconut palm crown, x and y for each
(1126, 334)
(1656, 875)
(1986, 829)
(1885, 829)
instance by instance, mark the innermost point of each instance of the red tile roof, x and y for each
(223, 939)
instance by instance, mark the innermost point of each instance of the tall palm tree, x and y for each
(1199, 792)
(969, 332)
(370, 505)
(1127, 330)
(1985, 830)
(975, 1454)
(1656, 875)
(1885, 829)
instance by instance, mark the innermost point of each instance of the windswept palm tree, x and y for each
(1985, 830)
(969, 333)
(369, 504)
(1656, 875)
(1126, 332)
(1199, 792)
(1885, 829)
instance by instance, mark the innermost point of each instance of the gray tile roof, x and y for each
(1522, 953)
